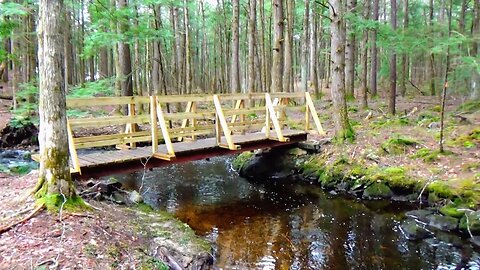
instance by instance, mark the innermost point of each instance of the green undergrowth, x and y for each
(397, 145)
(470, 139)
(425, 119)
(469, 106)
(428, 155)
(386, 122)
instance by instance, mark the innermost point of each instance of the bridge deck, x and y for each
(131, 159)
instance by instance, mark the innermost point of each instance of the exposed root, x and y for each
(31, 215)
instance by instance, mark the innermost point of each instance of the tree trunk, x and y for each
(350, 53)
(304, 61)
(476, 49)
(288, 68)
(343, 129)
(364, 59)
(188, 57)
(393, 61)
(235, 71)
(124, 58)
(374, 65)
(251, 45)
(54, 173)
(431, 62)
(405, 74)
(313, 55)
(277, 58)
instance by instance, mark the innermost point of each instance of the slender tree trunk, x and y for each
(288, 68)
(304, 61)
(393, 61)
(277, 58)
(405, 74)
(188, 57)
(235, 70)
(350, 53)
(374, 65)
(364, 60)
(343, 129)
(54, 173)
(313, 55)
(251, 45)
(431, 62)
(476, 49)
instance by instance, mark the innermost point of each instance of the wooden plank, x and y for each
(223, 124)
(123, 140)
(189, 115)
(105, 101)
(164, 129)
(110, 136)
(153, 123)
(314, 114)
(72, 149)
(107, 121)
(273, 117)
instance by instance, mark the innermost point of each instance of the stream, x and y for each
(286, 225)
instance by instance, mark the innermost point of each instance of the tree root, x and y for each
(31, 215)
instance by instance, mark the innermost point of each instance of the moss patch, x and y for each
(241, 159)
(468, 140)
(53, 202)
(428, 155)
(397, 145)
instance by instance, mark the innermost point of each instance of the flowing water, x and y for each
(287, 225)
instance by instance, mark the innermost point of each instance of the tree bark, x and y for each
(188, 57)
(405, 74)
(251, 45)
(350, 53)
(313, 55)
(343, 129)
(277, 58)
(393, 61)
(124, 57)
(54, 173)
(305, 38)
(374, 65)
(235, 70)
(431, 60)
(288, 68)
(364, 60)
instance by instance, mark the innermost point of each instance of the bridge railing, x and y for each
(167, 119)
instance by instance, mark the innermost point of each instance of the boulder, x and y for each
(135, 197)
(414, 231)
(420, 215)
(473, 222)
(444, 223)
(377, 191)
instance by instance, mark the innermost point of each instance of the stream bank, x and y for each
(442, 205)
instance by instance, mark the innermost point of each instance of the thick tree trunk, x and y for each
(431, 60)
(343, 129)
(288, 68)
(277, 58)
(103, 63)
(350, 53)
(476, 49)
(393, 62)
(54, 174)
(124, 58)
(305, 38)
(374, 65)
(235, 70)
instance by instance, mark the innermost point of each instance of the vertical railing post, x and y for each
(153, 123)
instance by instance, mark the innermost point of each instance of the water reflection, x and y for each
(291, 226)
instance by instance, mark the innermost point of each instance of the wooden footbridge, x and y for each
(159, 130)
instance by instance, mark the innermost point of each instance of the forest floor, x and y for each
(112, 236)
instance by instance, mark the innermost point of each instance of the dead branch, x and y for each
(31, 215)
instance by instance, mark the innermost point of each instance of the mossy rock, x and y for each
(453, 210)
(414, 231)
(473, 222)
(441, 189)
(241, 159)
(397, 145)
(443, 223)
(377, 191)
